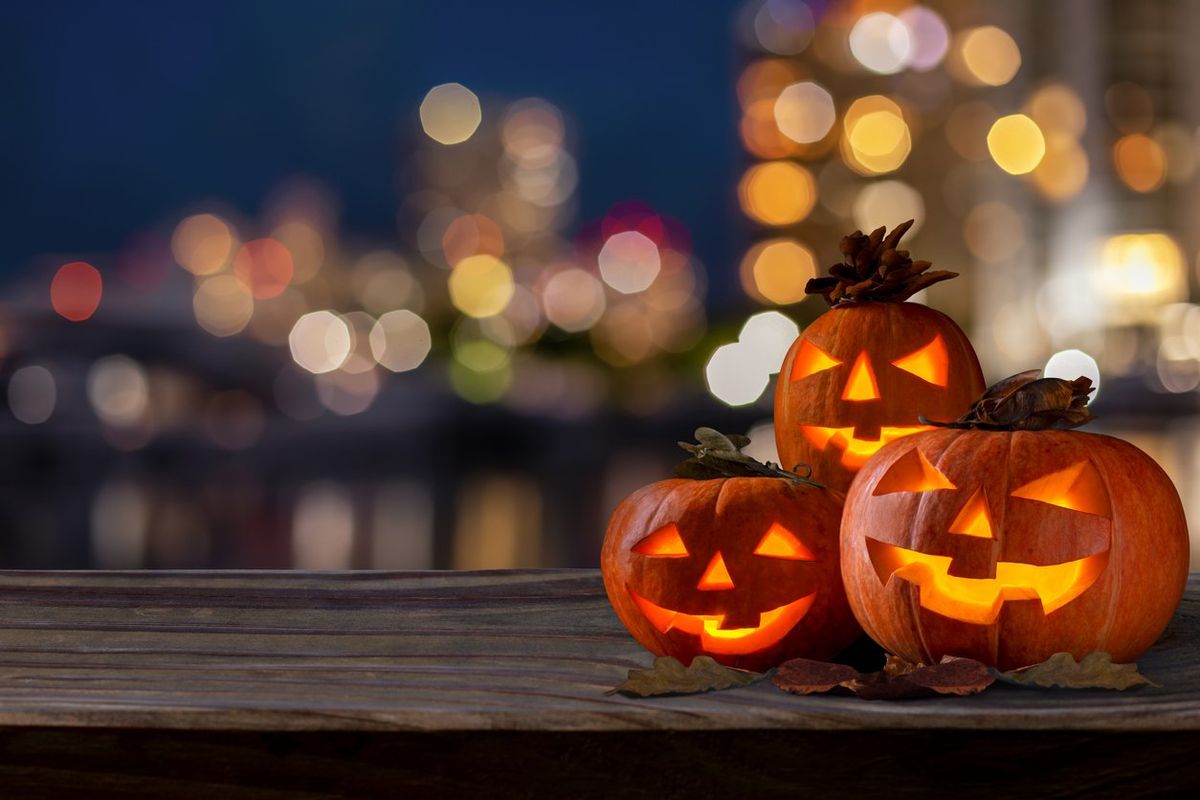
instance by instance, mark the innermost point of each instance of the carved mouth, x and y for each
(855, 451)
(772, 625)
(979, 600)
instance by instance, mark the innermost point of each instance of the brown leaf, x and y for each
(1095, 671)
(960, 676)
(1026, 401)
(669, 676)
(898, 680)
(805, 676)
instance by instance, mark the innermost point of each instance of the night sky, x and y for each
(119, 115)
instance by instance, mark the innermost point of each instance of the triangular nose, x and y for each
(861, 385)
(974, 519)
(716, 576)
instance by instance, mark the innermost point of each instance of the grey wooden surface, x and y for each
(467, 651)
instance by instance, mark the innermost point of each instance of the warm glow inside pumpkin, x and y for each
(854, 379)
(743, 569)
(1008, 546)
(861, 374)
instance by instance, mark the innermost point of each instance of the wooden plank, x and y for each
(523, 651)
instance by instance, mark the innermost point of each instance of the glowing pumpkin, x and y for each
(1007, 540)
(855, 378)
(743, 569)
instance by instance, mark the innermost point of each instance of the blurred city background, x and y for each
(412, 285)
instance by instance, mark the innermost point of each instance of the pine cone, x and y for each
(875, 271)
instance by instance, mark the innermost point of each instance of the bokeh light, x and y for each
(1016, 144)
(75, 291)
(886, 203)
(784, 27)
(804, 112)
(32, 394)
(1130, 107)
(777, 192)
(629, 261)
(1063, 171)
(766, 337)
(880, 42)
(400, 340)
(1072, 364)
(573, 299)
(993, 231)
(203, 244)
(481, 285)
(472, 234)
(450, 113)
(222, 305)
(264, 266)
(118, 390)
(320, 341)
(1057, 108)
(1139, 273)
(877, 138)
(734, 376)
(928, 36)
(987, 56)
(777, 270)
(1140, 161)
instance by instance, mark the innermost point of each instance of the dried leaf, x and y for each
(805, 676)
(959, 676)
(669, 676)
(1095, 671)
(720, 456)
(898, 680)
(1028, 402)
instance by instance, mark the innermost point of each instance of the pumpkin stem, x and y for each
(873, 270)
(720, 456)
(1028, 402)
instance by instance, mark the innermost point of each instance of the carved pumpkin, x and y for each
(854, 379)
(1013, 542)
(743, 569)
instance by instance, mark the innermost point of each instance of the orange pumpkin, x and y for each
(1006, 539)
(854, 379)
(743, 569)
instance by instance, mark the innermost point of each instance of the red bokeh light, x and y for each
(76, 290)
(265, 267)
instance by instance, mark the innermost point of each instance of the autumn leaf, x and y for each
(898, 680)
(805, 676)
(669, 676)
(1095, 671)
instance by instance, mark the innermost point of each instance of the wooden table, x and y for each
(274, 684)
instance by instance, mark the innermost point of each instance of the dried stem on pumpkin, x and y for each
(1028, 402)
(874, 270)
(718, 455)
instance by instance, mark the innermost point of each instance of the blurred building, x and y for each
(482, 388)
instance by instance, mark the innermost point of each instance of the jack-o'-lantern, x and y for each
(1007, 538)
(855, 378)
(737, 560)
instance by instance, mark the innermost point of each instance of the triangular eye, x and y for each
(1079, 487)
(811, 360)
(930, 363)
(664, 543)
(779, 542)
(912, 472)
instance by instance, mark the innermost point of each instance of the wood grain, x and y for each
(524, 651)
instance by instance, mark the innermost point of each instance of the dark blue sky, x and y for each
(119, 114)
